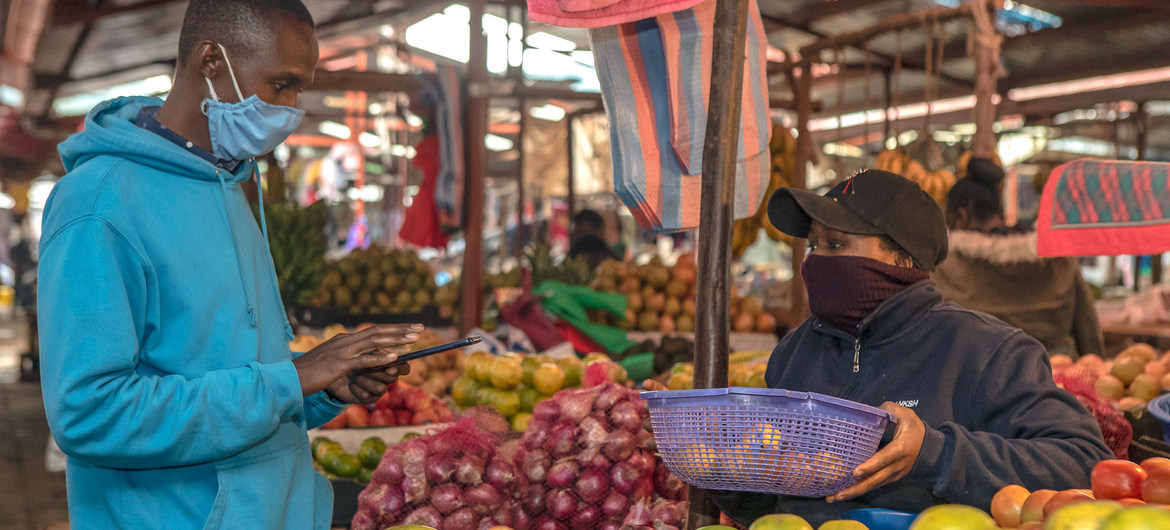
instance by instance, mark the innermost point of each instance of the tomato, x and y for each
(1062, 499)
(1006, 505)
(1131, 502)
(357, 416)
(1157, 462)
(382, 418)
(1117, 479)
(1033, 508)
(1155, 488)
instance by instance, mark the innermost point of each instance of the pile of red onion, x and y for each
(450, 480)
(584, 464)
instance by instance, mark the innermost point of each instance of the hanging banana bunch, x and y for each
(782, 148)
(893, 160)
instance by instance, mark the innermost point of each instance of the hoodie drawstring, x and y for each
(236, 247)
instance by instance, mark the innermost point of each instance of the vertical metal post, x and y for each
(986, 71)
(517, 74)
(1142, 139)
(571, 196)
(804, 145)
(716, 214)
(476, 127)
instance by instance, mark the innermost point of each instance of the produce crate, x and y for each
(320, 317)
(764, 440)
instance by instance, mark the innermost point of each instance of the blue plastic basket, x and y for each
(1160, 408)
(764, 439)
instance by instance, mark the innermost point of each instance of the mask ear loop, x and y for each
(231, 73)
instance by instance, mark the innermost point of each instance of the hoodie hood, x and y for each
(110, 129)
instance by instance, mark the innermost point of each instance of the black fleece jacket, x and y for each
(983, 389)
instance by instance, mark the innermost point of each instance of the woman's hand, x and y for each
(892, 462)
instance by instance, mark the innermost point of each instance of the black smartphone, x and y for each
(415, 355)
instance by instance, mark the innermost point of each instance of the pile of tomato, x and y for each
(1119, 480)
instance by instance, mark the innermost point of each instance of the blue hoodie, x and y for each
(166, 372)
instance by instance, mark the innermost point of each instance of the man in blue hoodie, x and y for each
(167, 376)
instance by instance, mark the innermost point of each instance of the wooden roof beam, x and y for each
(67, 12)
(808, 15)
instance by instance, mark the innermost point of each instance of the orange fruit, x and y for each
(548, 379)
(506, 372)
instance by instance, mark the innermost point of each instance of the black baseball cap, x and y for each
(873, 202)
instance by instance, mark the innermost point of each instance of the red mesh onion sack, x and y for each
(449, 479)
(1118, 433)
(583, 464)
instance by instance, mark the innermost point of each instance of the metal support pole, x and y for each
(476, 127)
(804, 146)
(571, 196)
(987, 44)
(715, 216)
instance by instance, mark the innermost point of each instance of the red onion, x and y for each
(520, 518)
(463, 519)
(561, 504)
(447, 498)
(669, 486)
(670, 513)
(500, 474)
(602, 419)
(592, 432)
(615, 505)
(619, 445)
(639, 515)
(544, 523)
(610, 394)
(627, 415)
(624, 478)
(586, 517)
(483, 499)
(593, 485)
(445, 446)
(547, 410)
(363, 521)
(536, 463)
(562, 474)
(575, 405)
(439, 468)
(610, 525)
(389, 471)
(563, 438)
(469, 470)
(585, 456)
(533, 500)
(643, 460)
(536, 435)
(502, 517)
(426, 516)
(659, 525)
(414, 488)
(388, 501)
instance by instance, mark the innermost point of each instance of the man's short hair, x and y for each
(236, 24)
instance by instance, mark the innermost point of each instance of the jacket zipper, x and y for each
(856, 355)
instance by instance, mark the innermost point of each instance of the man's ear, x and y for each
(209, 59)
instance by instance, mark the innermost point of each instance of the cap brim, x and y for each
(792, 212)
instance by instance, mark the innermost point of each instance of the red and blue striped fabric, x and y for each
(1105, 208)
(655, 79)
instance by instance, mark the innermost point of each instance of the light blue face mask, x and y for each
(249, 128)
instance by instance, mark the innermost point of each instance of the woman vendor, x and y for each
(974, 399)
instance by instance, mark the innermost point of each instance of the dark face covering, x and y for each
(843, 290)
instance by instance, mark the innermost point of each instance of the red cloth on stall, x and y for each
(581, 342)
(421, 227)
(528, 316)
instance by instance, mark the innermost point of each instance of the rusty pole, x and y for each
(716, 214)
(804, 146)
(476, 127)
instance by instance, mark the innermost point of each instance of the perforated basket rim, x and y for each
(650, 396)
(1159, 407)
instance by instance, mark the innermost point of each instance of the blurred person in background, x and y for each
(166, 371)
(995, 269)
(588, 239)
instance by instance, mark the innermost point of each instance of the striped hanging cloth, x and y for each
(655, 81)
(1105, 208)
